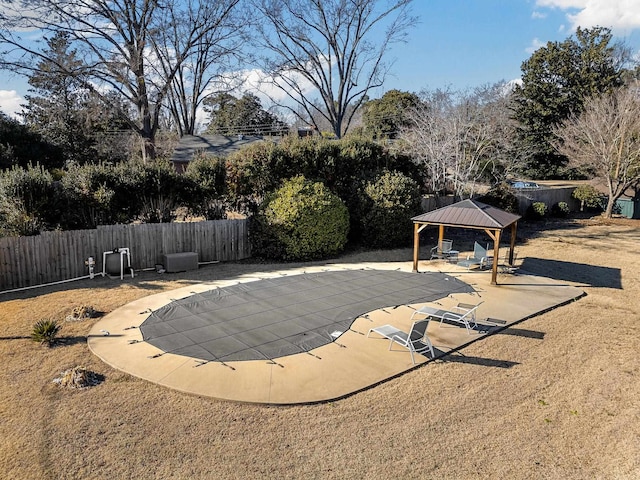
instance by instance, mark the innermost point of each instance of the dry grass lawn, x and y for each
(568, 408)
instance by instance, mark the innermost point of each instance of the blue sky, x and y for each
(469, 43)
(464, 44)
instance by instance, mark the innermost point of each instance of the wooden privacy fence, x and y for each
(56, 256)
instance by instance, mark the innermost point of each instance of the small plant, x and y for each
(560, 209)
(45, 331)
(537, 210)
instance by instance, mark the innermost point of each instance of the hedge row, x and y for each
(380, 190)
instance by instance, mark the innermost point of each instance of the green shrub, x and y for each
(250, 171)
(29, 201)
(45, 331)
(205, 186)
(302, 220)
(160, 190)
(386, 205)
(537, 210)
(502, 196)
(339, 164)
(560, 209)
(101, 195)
(588, 196)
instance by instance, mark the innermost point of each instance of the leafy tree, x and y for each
(245, 115)
(588, 196)
(54, 112)
(384, 117)
(605, 138)
(556, 81)
(332, 47)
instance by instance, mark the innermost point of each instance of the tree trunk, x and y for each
(608, 213)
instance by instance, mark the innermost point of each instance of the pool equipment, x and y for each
(113, 262)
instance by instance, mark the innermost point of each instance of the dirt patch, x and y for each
(556, 396)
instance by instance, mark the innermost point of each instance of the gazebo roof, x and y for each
(469, 214)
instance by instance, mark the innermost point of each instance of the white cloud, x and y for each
(620, 15)
(10, 102)
(536, 15)
(536, 43)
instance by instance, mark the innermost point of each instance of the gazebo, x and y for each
(468, 214)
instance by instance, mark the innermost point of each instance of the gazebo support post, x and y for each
(514, 227)
(495, 236)
(496, 258)
(416, 246)
(440, 234)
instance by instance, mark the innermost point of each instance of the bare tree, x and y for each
(428, 140)
(605, 139)
(207, 65)
(461, 137)
(330, 48)
(133, 47)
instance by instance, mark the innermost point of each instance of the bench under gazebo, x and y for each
(473, 215)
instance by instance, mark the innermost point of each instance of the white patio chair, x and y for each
(442, 249)
(416, 341)
(480, 257)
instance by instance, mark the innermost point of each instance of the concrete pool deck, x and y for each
(352, 363)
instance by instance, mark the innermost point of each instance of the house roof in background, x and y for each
(220, 145)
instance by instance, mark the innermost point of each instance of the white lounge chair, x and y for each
(416, 341)
(464, 313)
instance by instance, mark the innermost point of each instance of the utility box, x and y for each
(180, 262)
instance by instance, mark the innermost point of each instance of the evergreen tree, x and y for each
(384, 117)
(65, 113)
(20, 146)
(556, 81)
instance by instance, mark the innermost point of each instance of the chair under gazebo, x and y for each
(473, 215)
